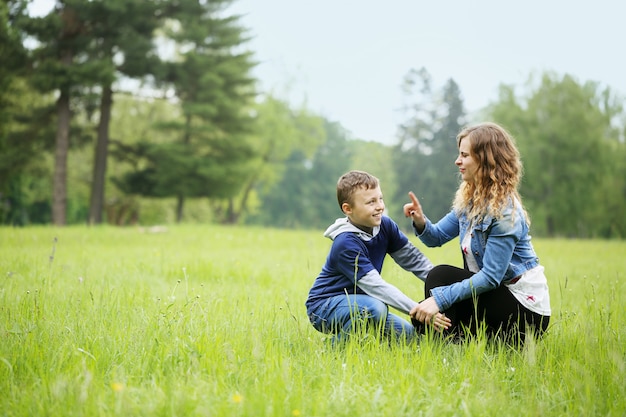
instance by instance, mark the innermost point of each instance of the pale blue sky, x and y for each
(346, 59)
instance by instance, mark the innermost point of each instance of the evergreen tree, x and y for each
(210, 75)
(12, 55)
(424, 157)
(121, 34)
(61, 66)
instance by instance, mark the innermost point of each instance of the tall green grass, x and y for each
(210, 321)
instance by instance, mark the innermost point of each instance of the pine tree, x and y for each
(424, 157)
(121, 40)
(60, 66)
(211, 77)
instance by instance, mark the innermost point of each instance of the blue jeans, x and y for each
(344, 314)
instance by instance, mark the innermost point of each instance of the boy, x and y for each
(350, 286)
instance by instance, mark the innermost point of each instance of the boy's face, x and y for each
(367, 208)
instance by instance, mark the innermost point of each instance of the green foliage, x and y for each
(240, 158)
(106, 321)
(377, 159)
(571, 153)
(615, 185)
(284, 138)
(60, 62)
(122, 33)
(305, 196)
(12, 55)
(211, 78)
(24, 115)
(175, 168)
(121, 36)
(135, 118)
(61, 55)
(24, 182)
(424, 157)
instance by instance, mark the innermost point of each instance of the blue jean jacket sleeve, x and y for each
(442, 232)
(500, 237)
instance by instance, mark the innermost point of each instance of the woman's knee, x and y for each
(442, 275)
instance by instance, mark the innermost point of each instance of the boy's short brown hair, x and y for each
(350, 182)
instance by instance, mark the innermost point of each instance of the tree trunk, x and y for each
(231, 214)
(100, 160)
(180, 203)
(235, 215)
(550, 225)
(59, 191)
(180, 199)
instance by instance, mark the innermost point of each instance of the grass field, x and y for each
(210, 321)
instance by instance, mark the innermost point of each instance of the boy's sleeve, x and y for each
(374, 285)
(413, 260)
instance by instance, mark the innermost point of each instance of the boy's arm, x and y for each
(374, 285)
(413, 260)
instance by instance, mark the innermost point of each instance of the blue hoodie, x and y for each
(355, 261)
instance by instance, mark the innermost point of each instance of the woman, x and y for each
(502, 285)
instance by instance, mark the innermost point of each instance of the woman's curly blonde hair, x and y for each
(497, 177)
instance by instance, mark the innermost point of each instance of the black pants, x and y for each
(498, 310)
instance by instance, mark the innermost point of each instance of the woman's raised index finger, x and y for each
(413, 197)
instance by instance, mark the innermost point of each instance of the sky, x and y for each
(346, 59)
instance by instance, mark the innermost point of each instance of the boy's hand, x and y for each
(414, 210)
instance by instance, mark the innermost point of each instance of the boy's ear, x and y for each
(345, 207)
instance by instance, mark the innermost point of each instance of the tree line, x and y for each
(147, 112)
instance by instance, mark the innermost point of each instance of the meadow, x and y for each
(204, 320)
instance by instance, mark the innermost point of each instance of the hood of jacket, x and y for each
(343, 225)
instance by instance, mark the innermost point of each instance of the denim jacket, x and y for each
(501, 246)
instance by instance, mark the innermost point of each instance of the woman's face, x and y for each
(467, 165)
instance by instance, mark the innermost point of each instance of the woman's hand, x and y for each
(414, 210)
(427, 312)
